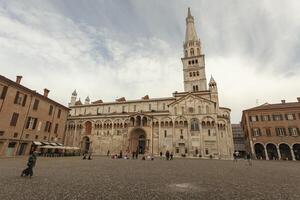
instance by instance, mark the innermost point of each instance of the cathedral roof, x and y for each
(78, 103)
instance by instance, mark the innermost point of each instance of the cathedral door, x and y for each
(138, 141)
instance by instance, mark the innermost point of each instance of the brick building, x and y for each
(238, 139)
(272, 130)
(28, 118)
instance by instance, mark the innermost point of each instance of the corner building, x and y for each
(28, 118)
(189, 123)
(272, 131)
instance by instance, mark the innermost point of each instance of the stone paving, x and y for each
(103, 178)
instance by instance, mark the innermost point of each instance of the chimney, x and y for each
(298, 98)
(46, 92)
(282, 101)
(19, 78)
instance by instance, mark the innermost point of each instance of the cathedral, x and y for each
(189, 123)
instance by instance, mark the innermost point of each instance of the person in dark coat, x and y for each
(171, 156)
(160, 154)
(30, 164)
(167, 155)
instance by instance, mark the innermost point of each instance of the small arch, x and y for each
(285, 152)
(260, 151)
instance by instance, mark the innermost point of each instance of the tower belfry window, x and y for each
(192, 51)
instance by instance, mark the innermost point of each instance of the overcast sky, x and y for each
(109, 49)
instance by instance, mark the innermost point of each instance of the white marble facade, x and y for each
(189, 123)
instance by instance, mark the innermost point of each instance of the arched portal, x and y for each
(272, 152)
(296, 149)
(259, 151)
(138, 141)
(285, 152)
(86, 144)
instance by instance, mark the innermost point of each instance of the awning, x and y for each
(46, 143)
(37, 143)
(47, 147)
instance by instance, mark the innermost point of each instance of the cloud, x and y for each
(131, 48)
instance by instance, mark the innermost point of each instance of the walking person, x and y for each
(30, 164)
(236, 155)
(160, 154)
(167, 155)
(171, 156)
(108, 153)
(249, 159)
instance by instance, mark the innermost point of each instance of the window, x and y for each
(256, 132)
(165, 133)
(194, 125)
(197, 73)
(192, 52)
(294, 131)
(194, 73)
(265, 118)
(189, 62)
(268, 132)
(58, 113)
(1, 133)
(20, 99)
(31, 123)
(181, 136)
(290, 116)
(50, 110)
(47, 126)
(191, 74)
(56, 128)
(253, 118)
(280, 131)
(277, 117)
(191, 110)
(16, 135)
(177, 150)
(196, 59)
(3, 91)
(36, 104)
(14, 119)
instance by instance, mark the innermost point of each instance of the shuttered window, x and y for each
(14, 119)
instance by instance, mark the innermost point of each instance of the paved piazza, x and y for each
(104, 178)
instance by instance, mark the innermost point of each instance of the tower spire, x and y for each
(190, 34)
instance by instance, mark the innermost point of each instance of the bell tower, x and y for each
(193, 60)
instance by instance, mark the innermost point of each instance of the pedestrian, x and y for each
(249, 159)
(160, 154)
(30, 164)
(133, 154)
(236, 155)
(84, 155)
(167, 155)
(171, 156)
(90, 155)
(136, 155)
(121, 154)
(108, 153)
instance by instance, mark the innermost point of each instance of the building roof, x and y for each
(33, 92)
(267, 106)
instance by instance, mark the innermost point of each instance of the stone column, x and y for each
(292, 153)
(266, 153)
(278, 152)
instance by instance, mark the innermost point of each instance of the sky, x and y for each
(110, 49)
